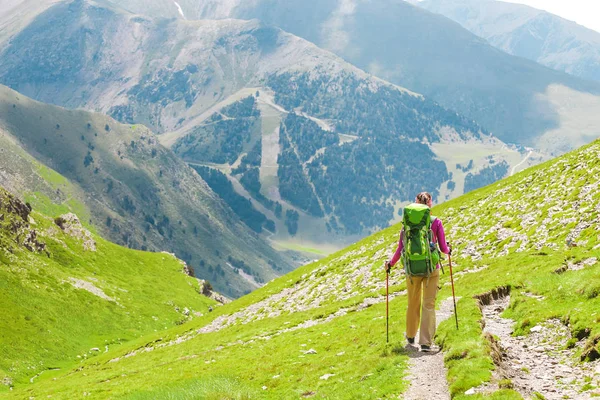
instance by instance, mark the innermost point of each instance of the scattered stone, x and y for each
(537, 362)
(534, 296)
(70, 225)
(264, 388)
(311, 351)
(561, 269)
(470, 392)
(94, 349)
(341, 353)
(90, 287)
(326, 376)
(206, 289)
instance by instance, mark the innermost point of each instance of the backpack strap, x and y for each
(435, 241)
(432, 235)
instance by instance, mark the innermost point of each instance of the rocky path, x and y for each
(538, 362)
(427, 372)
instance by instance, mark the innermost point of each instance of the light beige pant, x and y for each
(428, 287)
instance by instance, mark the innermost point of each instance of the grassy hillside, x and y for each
(320, 330)
(120, 180)
(536, 233)
(69, 295)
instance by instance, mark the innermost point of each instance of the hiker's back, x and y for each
(420, 256)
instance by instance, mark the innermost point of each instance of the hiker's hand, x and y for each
(388, 267)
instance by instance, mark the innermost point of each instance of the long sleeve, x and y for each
(438, 230)
(398, 252)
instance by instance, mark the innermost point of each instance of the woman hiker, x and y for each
(425, 285)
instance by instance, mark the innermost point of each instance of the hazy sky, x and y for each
(584, 12)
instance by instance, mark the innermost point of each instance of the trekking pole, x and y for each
(387, 304)
(453, 295)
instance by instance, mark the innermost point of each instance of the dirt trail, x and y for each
(427, 372)
(540, 361)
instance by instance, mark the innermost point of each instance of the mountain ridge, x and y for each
(209, 63)
(428, 50)
(527, 32)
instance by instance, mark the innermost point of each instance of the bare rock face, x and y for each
(31, 243)
(70, 224)
(206, 289)
(204, 286)
(14, 206)
(187, 269)
(14, 224)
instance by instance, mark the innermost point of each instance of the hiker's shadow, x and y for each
(413, 352)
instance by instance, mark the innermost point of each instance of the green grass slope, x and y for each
(539, 234)
(63, 294)
(320, 330)
(131, 189)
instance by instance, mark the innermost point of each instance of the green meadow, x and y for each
(319, 331)
(59, 305)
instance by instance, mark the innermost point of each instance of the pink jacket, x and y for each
(438, 236)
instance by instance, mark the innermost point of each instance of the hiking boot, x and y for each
(425, 348)
(410, 340)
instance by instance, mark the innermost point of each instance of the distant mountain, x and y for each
(17, 14)
(517, 100)
(271, 111)
(121, 181)
(527, 32)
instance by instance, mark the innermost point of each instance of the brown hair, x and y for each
(423, 198)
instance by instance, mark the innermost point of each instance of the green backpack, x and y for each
(420, 255)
